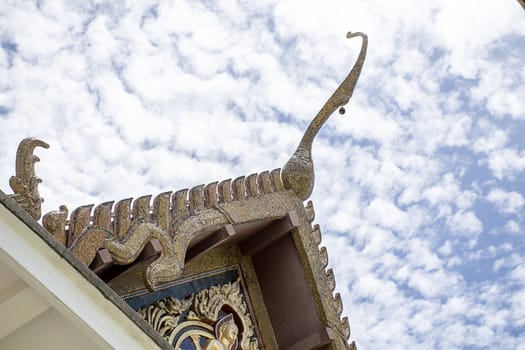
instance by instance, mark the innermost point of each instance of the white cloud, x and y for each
(492, 137)
(446, 248)
(505, 201)
(387, 214)
(465, 223)
(512, 226)
(511, 261)
(506, 163)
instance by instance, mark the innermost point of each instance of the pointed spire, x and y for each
(298, 172)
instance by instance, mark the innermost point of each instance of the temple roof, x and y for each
(44, 288)
(249, 244)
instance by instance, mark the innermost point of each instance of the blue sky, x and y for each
(419, 187)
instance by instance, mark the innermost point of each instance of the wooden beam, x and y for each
(314, 341)
(212, 241)
(152, 248)
(270, 234)
(102, 261)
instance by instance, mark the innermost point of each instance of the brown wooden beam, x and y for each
(212, 241)
(102, 261)
(317, 340)
(270, 234)
(151, 248)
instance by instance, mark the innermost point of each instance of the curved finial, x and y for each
(25, 182)
(298, 172)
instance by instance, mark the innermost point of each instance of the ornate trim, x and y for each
(174, 318)
(308, 239)
(25, 183)
(173, 219)
(165, 314)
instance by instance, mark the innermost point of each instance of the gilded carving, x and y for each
(164, 315)
(210, 302)
(25, 182)
(201, 315)
(55, 222)
(310, 211)
(226, 333)
(135, 223)
(298, 172)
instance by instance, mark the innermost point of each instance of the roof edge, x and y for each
(83, 270)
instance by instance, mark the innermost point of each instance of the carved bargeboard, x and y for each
(174, 220)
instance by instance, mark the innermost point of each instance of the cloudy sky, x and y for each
(420, 185)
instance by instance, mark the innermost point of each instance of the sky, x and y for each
(420, 186)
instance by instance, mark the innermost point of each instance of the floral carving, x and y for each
(168, 316)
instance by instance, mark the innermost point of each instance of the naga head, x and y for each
(25, 182)
(298, 173)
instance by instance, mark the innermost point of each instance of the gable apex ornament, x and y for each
(298, 172)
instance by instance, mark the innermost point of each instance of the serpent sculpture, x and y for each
(298, 172)
(25, 183)
(175, 219)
